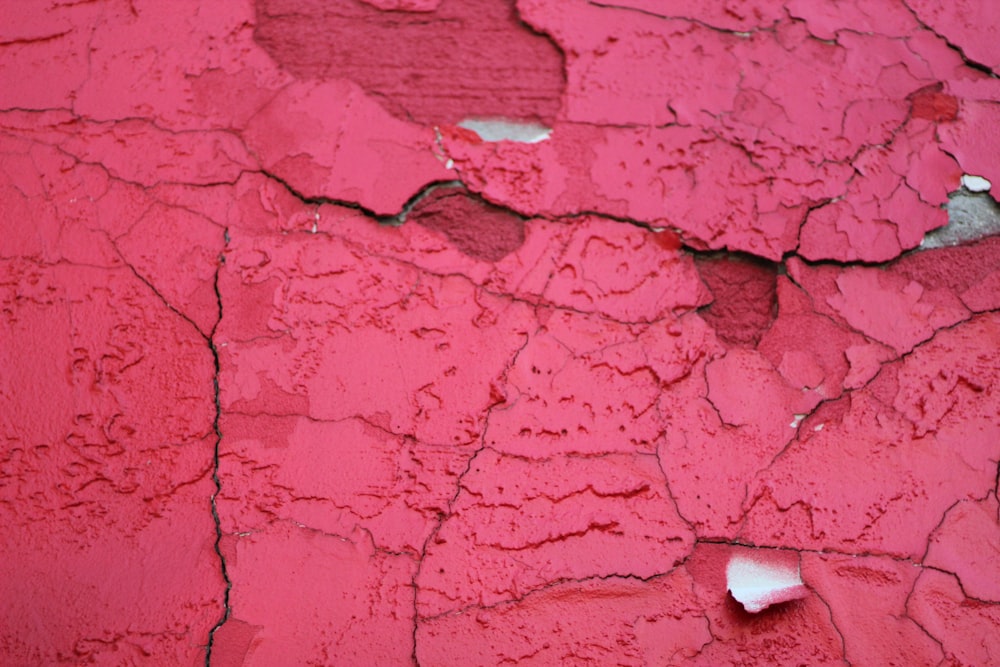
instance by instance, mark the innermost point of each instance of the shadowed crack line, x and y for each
(969, 62)
(215, 471)
(443, 516)
(383, 219)
(210, 341)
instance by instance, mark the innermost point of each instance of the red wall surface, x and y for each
(298, 367)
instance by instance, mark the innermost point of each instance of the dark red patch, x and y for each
(477, 228)
(668, 239)
(744, 298)
(466, 58)
(930, 103)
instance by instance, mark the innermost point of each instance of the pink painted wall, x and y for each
(295, 369)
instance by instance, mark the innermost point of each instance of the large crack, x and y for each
(215, 471)
(210, 341)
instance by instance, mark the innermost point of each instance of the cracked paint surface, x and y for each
(299, 369)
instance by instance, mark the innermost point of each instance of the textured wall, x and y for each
(300, 365)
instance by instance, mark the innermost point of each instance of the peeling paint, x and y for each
(433, 332)
(975, 183)
(760, 580)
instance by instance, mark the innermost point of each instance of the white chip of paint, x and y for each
(495, 129)
(975, 183)
(758, 582)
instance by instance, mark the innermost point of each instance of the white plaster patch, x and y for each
(496, 129)
(975, 183)
(971, 215)
(758, 582)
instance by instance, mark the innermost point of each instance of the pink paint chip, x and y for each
(761, 580)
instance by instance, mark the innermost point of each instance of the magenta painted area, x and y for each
(294, 369)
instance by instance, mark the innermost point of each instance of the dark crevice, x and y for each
(209, 338)
(215, 471)
(674, 238)
(423, 193)
(392, 220)
(317, 201)
(970, 63)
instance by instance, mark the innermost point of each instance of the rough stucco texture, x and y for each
(295, 370)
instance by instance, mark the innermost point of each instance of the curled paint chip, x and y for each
(764, 579)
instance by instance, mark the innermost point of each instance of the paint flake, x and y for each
(975, 183)
(758, 581)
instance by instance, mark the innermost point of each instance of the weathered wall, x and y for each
(297, 368)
